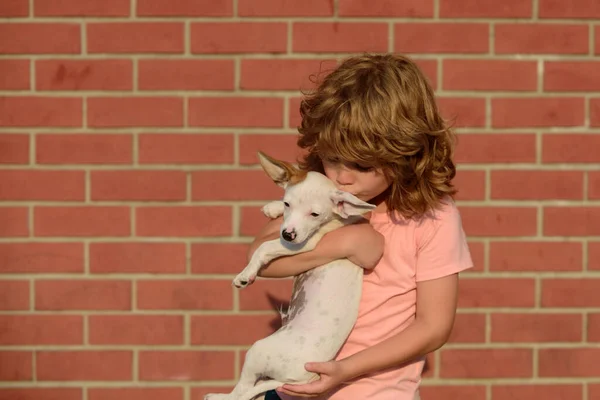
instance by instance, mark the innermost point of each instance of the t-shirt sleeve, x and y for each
(442, 248)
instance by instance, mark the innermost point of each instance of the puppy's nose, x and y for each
(288, 236)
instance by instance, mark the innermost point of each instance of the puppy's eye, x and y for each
(286, 204)
(314, 214)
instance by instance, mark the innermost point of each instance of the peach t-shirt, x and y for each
(415, 250)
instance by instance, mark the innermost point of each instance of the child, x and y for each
(373, 127)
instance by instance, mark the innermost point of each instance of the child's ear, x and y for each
(282, 173)
(346, 204)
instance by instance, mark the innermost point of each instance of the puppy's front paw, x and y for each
(244, 279)
(273, 209)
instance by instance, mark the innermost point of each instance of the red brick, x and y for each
(15, 74)
(491, 148)
(41, 330)
(14, 295)
(82, 221)
(468, 328)
(470, 185)
(492, 292)
(200, 392)
(234, 185)
(283, 146)
(541, 38)
(42, 185)
(504, 75)
(219, 258)
(477, 250)
(537, 391)
(571, 9)
(339, 37)
(441, 38)
(34, 257)
(294, 114)
(154, 393)
(463, 112)
(81, 8)
(184, 221)
(571, 221)
(138, 185)
(40, 38)
(175, 148)
(135, 37)
(251, 112)
(184, 294)
(594, 255)
(284, 74)
(508, 363)
(429, 69)
(593, 389)
(84, 148)
(439, 392)
(595, 107)
(383, 8)
(154, 258)
(266, 295)
(538, 112)
(499, 221)
(14, 8)
(14, 221)
(82, 295)
(186, 365)
(485, 9)
(184, 8)
(84, 75)
(14, 148)
(225, 329)
(570, 292)
(564, 363)
(252, 221)
(186, 74)
(16, 366)
(41, 394)
(536, 328)
(536, 256)
(536, 185)
(106, 112)
(593, 185)
(39, 111)
(570, 148)
(581, 76)
(136, 329)
(285, 8)
(84, 365)
(593, 334)
(597, 41)
(238, 37)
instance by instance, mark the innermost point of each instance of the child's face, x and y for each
(364, 183)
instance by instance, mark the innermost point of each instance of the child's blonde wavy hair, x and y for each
(379, 111)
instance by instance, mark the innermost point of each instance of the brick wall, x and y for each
(129, 185)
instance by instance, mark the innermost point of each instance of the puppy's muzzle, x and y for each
(288, 236)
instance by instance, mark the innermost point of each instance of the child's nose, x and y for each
(344, 176)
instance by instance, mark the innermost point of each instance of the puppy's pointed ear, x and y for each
(282, 173)
(346, 204)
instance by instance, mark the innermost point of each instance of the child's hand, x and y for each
(332, 375)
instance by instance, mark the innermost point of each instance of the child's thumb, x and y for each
(318, 367)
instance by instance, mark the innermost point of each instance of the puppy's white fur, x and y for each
(324, 303)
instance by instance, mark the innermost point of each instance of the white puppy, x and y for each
(324, 303)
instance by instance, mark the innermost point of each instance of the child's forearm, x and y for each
(416, 341)
(294, 265)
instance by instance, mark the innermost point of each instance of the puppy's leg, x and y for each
(267, 252)
(273, 209)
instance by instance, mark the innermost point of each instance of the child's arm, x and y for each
(360, 243)
(436, 309)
